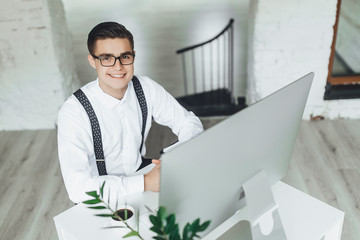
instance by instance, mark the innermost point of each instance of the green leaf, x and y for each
(98, 207)
(153, 220)
(126, 214)
(170, 219)
(156, 221)
(159, 238)
(157, 230)
(130, 234)
(161, 213)
(93, 194)
(204, 226)
(195, 225)
(92, 201)
(108, 200)
(115, 227)
(104, 215)
(169, 226)
(102, 190)
(186, 231)
(174, 234)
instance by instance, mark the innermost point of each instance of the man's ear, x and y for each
(91, 61)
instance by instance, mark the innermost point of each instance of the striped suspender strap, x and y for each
(95, 127)
(142, 101)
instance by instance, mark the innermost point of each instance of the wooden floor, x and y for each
(325, 164)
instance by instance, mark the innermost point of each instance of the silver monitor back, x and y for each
(203, 177)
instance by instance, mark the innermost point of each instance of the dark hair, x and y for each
(108, 30)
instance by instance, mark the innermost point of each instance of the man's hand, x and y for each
(152, 179)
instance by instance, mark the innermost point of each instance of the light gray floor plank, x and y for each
(325, 164)
(325, 159)
(32, 191)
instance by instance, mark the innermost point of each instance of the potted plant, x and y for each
(163, 224)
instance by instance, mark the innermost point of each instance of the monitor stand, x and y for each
(260, 211)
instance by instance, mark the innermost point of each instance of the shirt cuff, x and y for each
(135, 184)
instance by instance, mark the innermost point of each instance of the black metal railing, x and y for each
(208, 66)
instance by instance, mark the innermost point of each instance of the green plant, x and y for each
(99, 199)
(164, 225)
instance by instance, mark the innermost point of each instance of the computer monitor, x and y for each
(203, 177)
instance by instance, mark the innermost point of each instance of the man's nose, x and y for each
(118, 65)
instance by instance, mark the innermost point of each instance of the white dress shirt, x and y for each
(120, 123)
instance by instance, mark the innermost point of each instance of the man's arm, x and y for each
(167, 111)
(152, 179)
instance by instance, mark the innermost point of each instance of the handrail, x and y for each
(219, 61)
(201, 44)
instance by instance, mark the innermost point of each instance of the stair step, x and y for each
(212, 103)
(214, 110)
(219, 96)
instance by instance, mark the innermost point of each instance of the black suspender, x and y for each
(142, 101)
(95, 127)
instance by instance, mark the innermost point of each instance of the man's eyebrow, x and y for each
(125, 53)
(112, 55)
(107, 55)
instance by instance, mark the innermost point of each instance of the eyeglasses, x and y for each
(109, 61)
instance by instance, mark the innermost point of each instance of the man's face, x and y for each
(112, 80)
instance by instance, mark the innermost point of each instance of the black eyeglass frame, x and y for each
(116, 58)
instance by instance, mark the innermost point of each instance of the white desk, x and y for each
(303, 218)
(79, 222)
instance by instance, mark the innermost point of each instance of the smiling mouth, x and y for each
(117, 75)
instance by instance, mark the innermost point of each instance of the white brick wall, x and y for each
(35, 78)
(288, 39)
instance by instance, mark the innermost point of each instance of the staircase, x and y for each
(208, 76)
(212, 103)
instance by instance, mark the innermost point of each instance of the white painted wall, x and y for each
(287, 40)
(161, 27)
(36, 66)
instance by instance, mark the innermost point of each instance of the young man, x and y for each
(120, 103)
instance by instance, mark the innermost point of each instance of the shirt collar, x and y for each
(110, 101)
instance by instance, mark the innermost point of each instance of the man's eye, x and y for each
(106, 58)
(125, 56)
